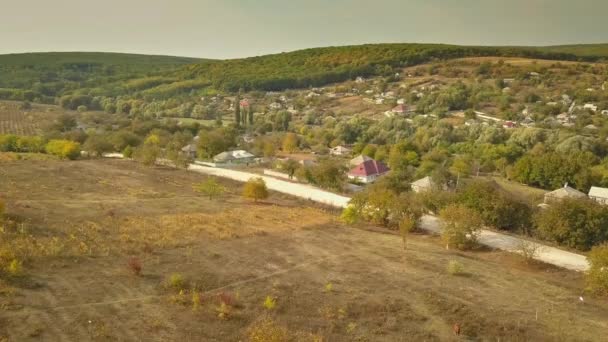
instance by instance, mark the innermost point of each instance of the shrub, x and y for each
(405, 227)
(266, 330)
(528, 250)
(255, 189)
(135, 266)
(460, 226)
(128, 152)
(270, 303)
(349, 215)
(455, 268)
(210, 188)
(597, 276)
(196, 300)
(63, 149)
(15, 268)
(176, 281)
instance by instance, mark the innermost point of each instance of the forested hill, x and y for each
(45, 77)
(319, 66)
(52, 74)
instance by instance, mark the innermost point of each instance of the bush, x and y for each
(210, 188)
(266, 330)
(176, 281)
(128, 152)
(455, 268)
(528, 250)
(63, 149)
(270, 303)
(255, 189)
(461, 225)
(135, 266)
(597, 276)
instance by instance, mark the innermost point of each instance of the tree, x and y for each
(63, 149)
(2, 208)
(461, 225)
(237, 110)
(597, 276)
(250, 115)
(255, 189)
(291, 166)
(290, 143)
(97, 145)
(210, 188)
(576, 223)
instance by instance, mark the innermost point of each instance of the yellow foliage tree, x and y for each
(290, 143)
(255, 189)
(63, 149)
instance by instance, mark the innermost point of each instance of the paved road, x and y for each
(550, 255)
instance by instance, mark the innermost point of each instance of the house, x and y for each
(590, 106)
(360, 80)
(244, 103)
(600, 195)
(509, 124)
(340, 151)
(563, 193)
(399, 109)
(605, 112)
(379, 101)
(312, 94)
(424, 184)
(400, 101)
(591, 127)
(189, 150)
(234, 157)
(359, 160)
(275, 105)
(368, 171)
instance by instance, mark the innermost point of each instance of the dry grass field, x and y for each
(226, 269)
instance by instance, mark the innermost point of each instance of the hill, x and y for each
(44, 77)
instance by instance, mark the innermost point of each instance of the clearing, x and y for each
(87, 218)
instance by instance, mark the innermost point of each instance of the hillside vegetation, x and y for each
(44, 77)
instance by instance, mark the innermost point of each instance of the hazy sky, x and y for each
(239, 28)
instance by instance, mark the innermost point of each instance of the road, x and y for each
(547, 254)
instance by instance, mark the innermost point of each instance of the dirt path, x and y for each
(547, 254)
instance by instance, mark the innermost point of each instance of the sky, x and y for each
(243, 28)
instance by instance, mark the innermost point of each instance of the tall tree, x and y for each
(237, 110)
(250, 115)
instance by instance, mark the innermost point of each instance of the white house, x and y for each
(590, 106)
(599, 195)
(234, 157)
(563, 193)
(340, 151)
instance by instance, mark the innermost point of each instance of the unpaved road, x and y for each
(547, 254)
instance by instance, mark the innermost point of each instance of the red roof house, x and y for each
(400, 109)
(368, 171)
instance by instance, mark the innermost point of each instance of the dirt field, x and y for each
(325, 281)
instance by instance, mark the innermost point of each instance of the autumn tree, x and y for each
(290, 143)
(97, 145)
(255, 189)
(210, 188)
(65, 149)
(597, 276)
(461, 225)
